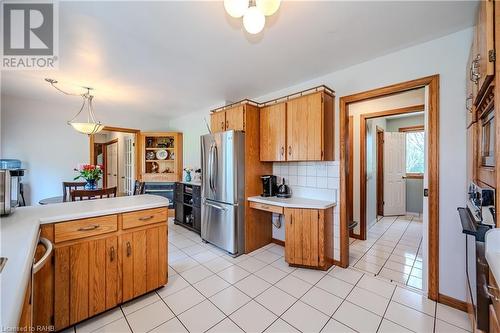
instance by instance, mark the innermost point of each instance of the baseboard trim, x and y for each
(278, 241)
(453, 302)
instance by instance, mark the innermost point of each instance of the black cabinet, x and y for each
(188, 206)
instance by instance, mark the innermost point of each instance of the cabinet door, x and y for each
(485, 43)
(471, 152)
(218, 121)
(197, 218)
(273, 132)
(127, 266)
(289, 236)
(235, 118)
(113, 292)
(305, 128)
(144, 261)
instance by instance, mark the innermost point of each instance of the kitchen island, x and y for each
(104, 252)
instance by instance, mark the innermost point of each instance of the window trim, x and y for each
(418, 128)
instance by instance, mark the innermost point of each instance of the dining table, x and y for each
(59, 199)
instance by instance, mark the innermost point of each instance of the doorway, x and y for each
(115, 149)
(430, 221)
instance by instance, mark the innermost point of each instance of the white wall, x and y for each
(37, 134)
(446, 56)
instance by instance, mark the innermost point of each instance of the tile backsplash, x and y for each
(313, 180)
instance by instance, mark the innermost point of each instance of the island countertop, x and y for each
(293, 202)
(19, 235)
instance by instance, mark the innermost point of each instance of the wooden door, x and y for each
(394, 174)
(273, 132)
(305, 128)
(485, 44)
(380, 172)
(235, 118)
(218, 122)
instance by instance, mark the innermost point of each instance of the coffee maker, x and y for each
(269, 186)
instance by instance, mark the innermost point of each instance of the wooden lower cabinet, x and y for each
(86, 279)
(97, 273)
(144, 264)
(309, 237)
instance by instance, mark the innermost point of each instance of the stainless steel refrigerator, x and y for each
(223, 190)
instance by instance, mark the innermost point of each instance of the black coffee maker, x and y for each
(269, 186)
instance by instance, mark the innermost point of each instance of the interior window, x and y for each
(415, 152)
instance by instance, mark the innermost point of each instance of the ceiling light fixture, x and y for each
(91, 125)
(254, 12)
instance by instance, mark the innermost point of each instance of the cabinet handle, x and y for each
(129, 249)
(282, 150)
(490, 295)
(227, 124)
(146, 218)
(290, 150)
(467, 100)
(89, 228)
(112, 254)
(474, 70)
(222, 125)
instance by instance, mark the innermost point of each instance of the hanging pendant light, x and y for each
(90, 125)
(254, 21)
(254, 12)
(268, 7)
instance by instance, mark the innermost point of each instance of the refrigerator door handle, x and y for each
(215, 168)
(210, 171)
(214, 206)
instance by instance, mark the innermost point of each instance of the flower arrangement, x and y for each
(188, 171)
(91, 173)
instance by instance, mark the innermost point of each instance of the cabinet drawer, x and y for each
(84, 228)
(144, 217)
(266, 207)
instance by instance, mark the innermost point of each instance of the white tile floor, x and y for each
(208, 291)
(392, 250)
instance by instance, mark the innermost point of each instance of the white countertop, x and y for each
(194, 183)
(293, 202)
(492, 249)
(19, 235)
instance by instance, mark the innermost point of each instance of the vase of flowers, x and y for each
(91, 173)
(188, 174)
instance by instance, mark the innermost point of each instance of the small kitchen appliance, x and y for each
(284, 190)
(269, 186)
(10, 185)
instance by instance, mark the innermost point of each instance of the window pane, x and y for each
(415, 152)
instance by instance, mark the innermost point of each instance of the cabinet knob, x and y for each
(129, 249)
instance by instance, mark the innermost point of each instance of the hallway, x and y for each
(392, 250)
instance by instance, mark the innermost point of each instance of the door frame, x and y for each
(362, 167)
(380, 171)
(137, 157)
(432, 82)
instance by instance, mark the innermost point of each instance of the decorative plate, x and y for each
(161, 154)
(150, 155)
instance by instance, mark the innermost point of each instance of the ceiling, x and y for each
(170, 58)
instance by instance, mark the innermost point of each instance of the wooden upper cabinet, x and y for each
(235, 118)
(273, 132)
(230, 119)
(218, 121)
(483, 61)
(309, 128)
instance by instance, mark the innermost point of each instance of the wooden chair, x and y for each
(139, 187)
(68, 187)
(93, 194)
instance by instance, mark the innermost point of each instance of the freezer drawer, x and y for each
(222, 226)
